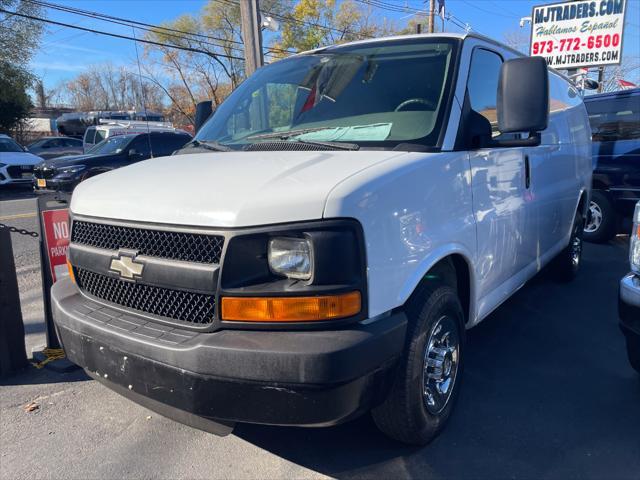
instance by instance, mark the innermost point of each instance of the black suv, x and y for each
(615, 123)
(64, 173)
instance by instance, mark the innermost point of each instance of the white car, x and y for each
(344, 217)
(16, 163)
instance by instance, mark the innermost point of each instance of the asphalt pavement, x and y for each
(547, 393)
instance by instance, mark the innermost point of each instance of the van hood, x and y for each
(19, 158)
(223, 189)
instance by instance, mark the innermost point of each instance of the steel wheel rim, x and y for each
(595, 218)
(576, 248)
(440, 364)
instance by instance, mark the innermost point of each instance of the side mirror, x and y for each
(590, 84)
(203, 111)
(523, 98)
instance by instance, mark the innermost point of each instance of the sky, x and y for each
(64, 53)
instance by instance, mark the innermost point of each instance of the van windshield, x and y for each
(372, 94)
(110, 145)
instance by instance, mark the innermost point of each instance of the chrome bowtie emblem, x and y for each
(126, 267)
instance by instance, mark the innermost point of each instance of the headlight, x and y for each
(634, 252)
(290, 257)
(71, 169)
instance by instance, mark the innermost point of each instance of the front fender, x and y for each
(428, 262)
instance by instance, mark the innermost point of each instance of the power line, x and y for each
(492, 12)
(125, 37)
(391, 7)
(146, 26)
(290, 20)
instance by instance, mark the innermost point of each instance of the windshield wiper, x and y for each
(301, 131)
(335, 145)
(208, 145)
(288, 134)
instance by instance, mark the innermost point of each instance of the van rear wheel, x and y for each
(427, 382)
(601, 224)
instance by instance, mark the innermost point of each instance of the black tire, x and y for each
(404, 415)
(633, 351)
(567, 264)
(605, 230)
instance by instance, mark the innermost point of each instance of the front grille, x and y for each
(17, 171)
(45, 173)
(194, 308)
(188, 247)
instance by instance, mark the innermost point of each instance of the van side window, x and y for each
(99, 136)
(482, 85)
(615, 119)
(90, 135)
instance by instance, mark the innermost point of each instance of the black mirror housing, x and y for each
(523, 95)
(203, 111)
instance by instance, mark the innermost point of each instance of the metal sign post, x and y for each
(53, 217)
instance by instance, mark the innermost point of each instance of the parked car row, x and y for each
(61, 162)
(64, 173)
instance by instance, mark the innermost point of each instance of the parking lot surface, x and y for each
(547, 393)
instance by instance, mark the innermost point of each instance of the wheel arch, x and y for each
(452, 265)
(583, 203)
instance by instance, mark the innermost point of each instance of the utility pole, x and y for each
(251, 35)
(432, 11)
(600, 79)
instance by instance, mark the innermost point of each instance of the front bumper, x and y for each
(304, 378)
(629, 305)
(54, 184)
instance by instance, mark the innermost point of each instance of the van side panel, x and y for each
(563, 172)
(415, 209)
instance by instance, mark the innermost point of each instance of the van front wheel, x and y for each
(427, 382)
(567, 263)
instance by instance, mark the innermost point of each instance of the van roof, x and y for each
(619, 93)
(458, 36)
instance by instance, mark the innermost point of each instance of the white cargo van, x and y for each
(345, 216)
(109, 128)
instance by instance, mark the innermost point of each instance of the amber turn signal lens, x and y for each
(71, 275)
(291, 309)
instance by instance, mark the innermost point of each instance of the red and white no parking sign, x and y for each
(56, 239)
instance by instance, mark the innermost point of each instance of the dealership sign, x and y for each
(578, 34)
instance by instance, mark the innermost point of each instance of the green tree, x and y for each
(19, 36)
(15, 103)
(316, 23)
(188, 77)
(18, 41)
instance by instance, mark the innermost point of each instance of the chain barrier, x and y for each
(21, 231)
